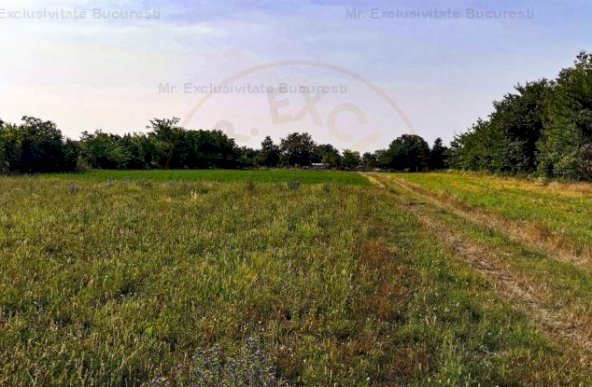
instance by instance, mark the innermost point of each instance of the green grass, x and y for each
(566, 288)
(111, 280)
(565, 209)
(222, 175)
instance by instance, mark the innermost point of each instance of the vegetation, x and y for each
(549, 284)
(560, 213)
(544, 127)
(166, 265)
(257, 175)
(38, 146)
(113, 280)
(566, 148)
(35, 146)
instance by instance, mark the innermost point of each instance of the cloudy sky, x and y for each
(354, 73)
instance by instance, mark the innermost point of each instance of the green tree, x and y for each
(517, 125)
(247, 157)
(167, 134)
(369, 160)
(410, 153)
(104, 151)
(507, 141)
(11, 139)
(564, 149)
(328, 154)
(269, 155)
(137, 149)
(351, 159)
(297, 149)
(42, 146)
(438, 155)
(34, 146)
(383, 158)
(469, 150)
(72, 151)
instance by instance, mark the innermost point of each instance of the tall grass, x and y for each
(125, 282)
(223, 175)
(562, 209)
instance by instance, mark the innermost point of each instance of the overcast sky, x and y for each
(353, 73)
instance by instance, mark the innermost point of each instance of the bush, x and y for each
(35, 146)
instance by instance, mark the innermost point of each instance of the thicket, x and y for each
(38, 146)
(543, 127)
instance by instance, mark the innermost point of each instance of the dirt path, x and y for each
(517, 290)
(533, 235)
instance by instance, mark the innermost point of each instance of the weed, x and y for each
(73, 188)
(292, 223)
(119, 286)
(250, 185)
(294, 185)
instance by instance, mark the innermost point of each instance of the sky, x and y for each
(353, 73)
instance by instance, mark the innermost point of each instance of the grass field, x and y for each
(555, 213)
(238, 277)
(221, 175)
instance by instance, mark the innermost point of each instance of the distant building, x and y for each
(319, 166)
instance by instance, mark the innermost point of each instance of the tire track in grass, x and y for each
(534, 235)
(517, 290)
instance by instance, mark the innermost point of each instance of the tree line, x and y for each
(35, 146)
(543, 127)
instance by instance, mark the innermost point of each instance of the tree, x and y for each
(175, 147)
(135, 146)
(351, 159)
(328, 154)
(507, 141)
(564, 148)
(42, 146)
(369, 160)
(269, 155)
(34, 146)
(410, 153)
(247, 157)
(71, 155)
(469, 151)
(104, 151)
(297, 149)
(213, 149)
(383, 158)
(438, 155)
(11, 139)
(517, 125)
(167, 134)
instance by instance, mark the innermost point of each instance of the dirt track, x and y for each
(534, 299)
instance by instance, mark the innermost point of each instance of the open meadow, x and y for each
(295, 193)
(293, 278)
